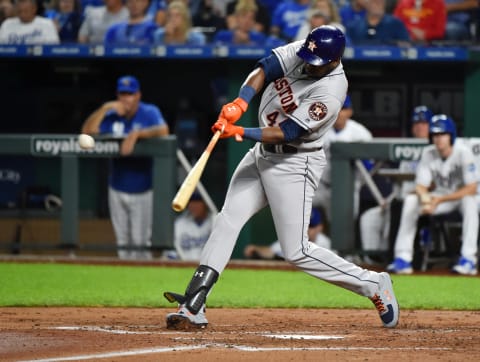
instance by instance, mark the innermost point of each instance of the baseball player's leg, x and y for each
(120, 221)
(374, 226)
(291, 212)
(141, 223)
(408, 228)
(245, 196)
(470, 223)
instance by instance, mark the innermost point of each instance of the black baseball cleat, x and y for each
(385, 302)
(185, 320)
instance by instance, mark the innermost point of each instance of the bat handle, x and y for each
(213, 141)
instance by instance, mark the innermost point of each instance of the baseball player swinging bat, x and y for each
(191, 181)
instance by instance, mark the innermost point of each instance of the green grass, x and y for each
(142, 286)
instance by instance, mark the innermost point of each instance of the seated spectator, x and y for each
(27, 27)
(274, 251)
(138, 30)
(192, 229)
(6, 10)
(208, 19)
(99, 19)
(67, 17)
(460, 13)
(245, 32)
(446, 180)
(262, 17)
(178, 27)
(158, 9)
(288, 18)
(352, 10)
(425, 20)
(321, 12)
(377, 27)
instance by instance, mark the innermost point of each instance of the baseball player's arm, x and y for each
(267, 69)
(234, 110)
(92, 124)
(129, 142)
(470, 189)
(426, 200)
(286, 132)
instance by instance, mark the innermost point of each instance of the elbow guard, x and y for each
(271, 67)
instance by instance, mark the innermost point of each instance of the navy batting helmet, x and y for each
(421, 114)
(441, 123)
(323, 45)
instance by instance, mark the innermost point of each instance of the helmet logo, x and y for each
(311, 45)
(317, 111)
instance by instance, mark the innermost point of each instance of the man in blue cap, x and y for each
(130, 192)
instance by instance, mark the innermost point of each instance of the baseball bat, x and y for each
(193, 177)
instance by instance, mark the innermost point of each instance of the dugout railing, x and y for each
(65, 147)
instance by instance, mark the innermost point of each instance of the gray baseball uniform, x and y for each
(287, 181)
(448, 176)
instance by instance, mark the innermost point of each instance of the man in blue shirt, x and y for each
(137, 30)
(130, 182)
(377, 27)
(288, 17)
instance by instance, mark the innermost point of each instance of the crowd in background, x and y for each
(267, 23)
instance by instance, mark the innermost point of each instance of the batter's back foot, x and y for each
(185, 320)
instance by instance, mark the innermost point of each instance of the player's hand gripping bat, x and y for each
(191, 181)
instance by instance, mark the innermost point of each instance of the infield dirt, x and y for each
(138, 334)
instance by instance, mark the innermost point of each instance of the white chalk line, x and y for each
(133, 352)
(112, 330)
(302, 336)
(137, 352)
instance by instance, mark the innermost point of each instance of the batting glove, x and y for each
(228, 130)
(234, 110)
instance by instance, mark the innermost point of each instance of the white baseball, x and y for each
(86, 141)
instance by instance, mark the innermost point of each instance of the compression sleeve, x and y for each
(291, 130)
(272, 68)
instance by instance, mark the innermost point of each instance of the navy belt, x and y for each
(286, 148)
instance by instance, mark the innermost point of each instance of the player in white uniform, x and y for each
(192, 229)
(345, 129)
(305, 89)
(449, 166)
(375, 222)
(28, 28)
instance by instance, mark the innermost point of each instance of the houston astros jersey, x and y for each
(313, 103)
(448, 175)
